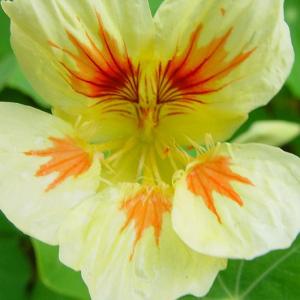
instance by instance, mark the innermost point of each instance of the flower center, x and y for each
(148, 120)
(133, 109)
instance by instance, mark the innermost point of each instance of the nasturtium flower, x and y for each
(131, 175)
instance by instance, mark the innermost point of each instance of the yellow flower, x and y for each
(109, 176)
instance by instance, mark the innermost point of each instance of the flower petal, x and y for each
(220, 56)
(274, 133)
(85, 54)
(43, 171)
(240, 201)
(128, 250)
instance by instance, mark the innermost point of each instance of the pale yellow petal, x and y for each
(241, 201)
(274, 133)
(230, 56)
(94, 240)
(78, 53)
(31, 195)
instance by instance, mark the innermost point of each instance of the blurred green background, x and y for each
(30, 270)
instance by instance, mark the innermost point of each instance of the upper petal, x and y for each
(85, 53)
(123, 243)
(220, 60)
(44, 170)
(240, 201)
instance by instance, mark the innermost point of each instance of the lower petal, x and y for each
(43, 172)
(239, 201)
(126, 255)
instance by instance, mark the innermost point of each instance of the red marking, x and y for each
(146, 209)
(167, 151)
(68, 159)
(196, 72)
(106, 75)
(215, 175)
(102, 70)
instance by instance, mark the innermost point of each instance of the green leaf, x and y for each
(292, 13)
(154, 5)
(188, 298)
(15, 271)
(10, 72)
(6, 228)
(5, 33)
(11, 95)
(7, 65)
(11, 76)
(55, 275)
(274, 276)
(282, 107)
(18, 81)
(41, 292)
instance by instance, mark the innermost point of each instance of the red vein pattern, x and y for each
(106, 75)
(215, 175)
(196, 72)
(67, 159)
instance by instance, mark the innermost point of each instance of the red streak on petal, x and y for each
(215, 175)
(197, 71)
(146, 209)
(104, 73)
(67, 159)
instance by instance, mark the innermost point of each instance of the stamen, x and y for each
(209, 141)
(154, 167)
(198, 148)
(182, 155)
(127, 147)
(173, 163)
(110, 145)
(141, 164)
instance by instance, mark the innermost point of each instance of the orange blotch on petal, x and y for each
(215, 175)
(223, 11)
(146, 209)
(68, 159)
